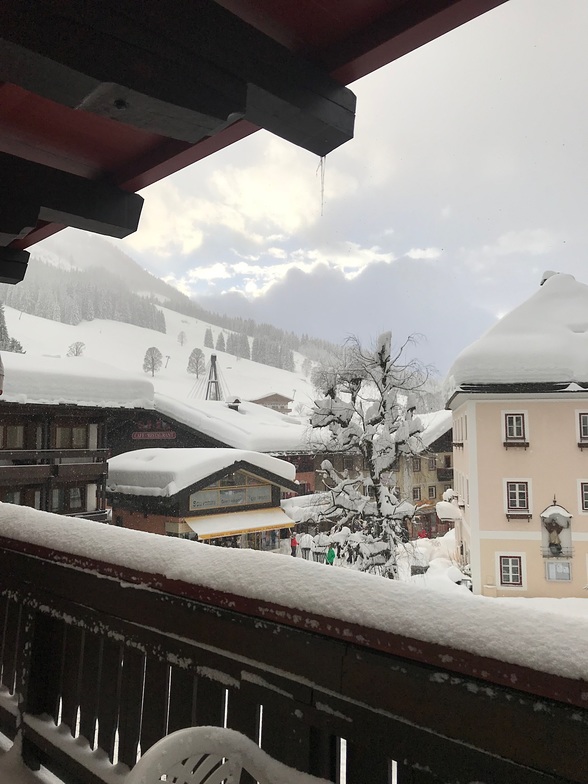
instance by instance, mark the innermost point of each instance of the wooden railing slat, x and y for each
(71, 681)
(155, 702)
(109, 695)
(89, 693)
(131, 703)
(181, 699)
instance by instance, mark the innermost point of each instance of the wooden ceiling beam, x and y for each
(33, 192)
(184, 75)
(13, 265)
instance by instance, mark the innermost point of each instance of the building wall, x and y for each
(140, 521)
(552, 466)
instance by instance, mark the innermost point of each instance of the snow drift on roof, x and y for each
(543, 340)
(435, 424)
(252, 427)
(164, 472)
(72, 380)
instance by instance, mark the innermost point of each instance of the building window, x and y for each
(584, 427)
(447, 461)
(416, 463)
(511, 570)
(432, 463)
(71, 437)
(432, 491)
(558, 570)
(68, 500)
(12, 497)
(515, 429)
(416, 493)
(584, 491)
(11, 436)
(517, 496)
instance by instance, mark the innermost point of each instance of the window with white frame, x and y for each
(432, 491)
(517, 496)
(416, 493)
(583, 423)
(416, 463)
(584, 495)
(432, 463)
(514, 427)
(558, 570)
(511, 570)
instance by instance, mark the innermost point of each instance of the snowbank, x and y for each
(524, 635)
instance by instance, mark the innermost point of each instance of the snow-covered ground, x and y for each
(123, 346)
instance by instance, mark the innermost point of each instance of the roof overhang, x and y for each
(99, 100)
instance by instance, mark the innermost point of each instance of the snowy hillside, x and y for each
(123, 346)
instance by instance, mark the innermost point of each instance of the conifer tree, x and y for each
(220, 342)
(208, 341)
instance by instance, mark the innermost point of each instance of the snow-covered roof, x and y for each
(435, 424)
(544, 340)
(252, 426)
(164, 472)
(71, 380)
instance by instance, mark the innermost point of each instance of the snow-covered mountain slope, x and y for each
(123, 346)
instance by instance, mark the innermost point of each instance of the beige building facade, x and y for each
(521, 474)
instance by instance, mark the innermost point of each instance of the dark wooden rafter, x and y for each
(49, 194)
(185, 75)
(13, 265)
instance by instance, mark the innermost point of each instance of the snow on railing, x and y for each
(530, 637)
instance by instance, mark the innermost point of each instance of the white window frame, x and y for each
(525, 438)
(518, 509)
(434, 489)
(416, 493)
(522, 586)
(582, 439)
(553, 566)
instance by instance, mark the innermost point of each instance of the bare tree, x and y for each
(182, 338)
(196, 362)
(76, 349)
(152, 361)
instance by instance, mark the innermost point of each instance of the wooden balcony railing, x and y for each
(117, 657)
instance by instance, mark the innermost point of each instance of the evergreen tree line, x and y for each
(314, 348)
(263, 350)
(6, 342)
(72, 295)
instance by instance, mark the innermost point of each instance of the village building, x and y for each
(519, 400)
(228, 497)
(276, 402)
(54, 416)
(425, 472)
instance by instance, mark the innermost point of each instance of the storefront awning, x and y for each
(235, 523)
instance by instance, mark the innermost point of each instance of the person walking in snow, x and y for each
(294, 543)
(331, 555)
(305, 545)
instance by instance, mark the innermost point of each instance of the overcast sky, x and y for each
(466, 178)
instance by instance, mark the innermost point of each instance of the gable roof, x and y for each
(166, 472)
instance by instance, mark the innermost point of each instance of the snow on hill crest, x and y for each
(123, 346)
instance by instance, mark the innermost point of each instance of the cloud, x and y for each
(534, 242)
(424, 253)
